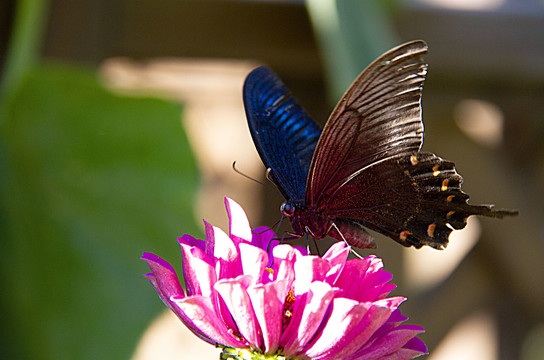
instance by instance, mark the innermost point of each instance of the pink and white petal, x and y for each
(361, 290)
(284, 262)
(177, 311)
(337, 253)
(417, 345)
(313, 307)
(239, 228)
(395, 319)
(200, 312)
(301, 249)
(210, 239)
(163, 277)
(198, 271)
(223, 313)
(364, 333)
(307, 270)
(353, 269)
(377, 284)
(234, 293)
(414, 348)
(403, 354)
(226, 255)
(375, 263)
(356, 330)
(344, 316)
(254, 261)
(337, 256)
(261, 237)
(398, 342)
(267, 301)
(192, 241)
(286, 251)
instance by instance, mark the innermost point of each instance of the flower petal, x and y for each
(308, 314)
(254, 261)
(284, 262)
(344, 316)
(267, 301)
(192, 241)
(163, 278)
(198, 271)
(166, 282)
(239, 228)
(261, 237)
(225, 254)
(337, 256)
(200, 311)
(307, 270)
(337, 253)
(209, 247)
(234, 293)
(370, 287)
(417, 345)
(350, 325)
(394, 342)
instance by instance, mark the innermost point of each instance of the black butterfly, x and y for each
(365, 168)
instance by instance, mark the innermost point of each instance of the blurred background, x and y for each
(120, 121)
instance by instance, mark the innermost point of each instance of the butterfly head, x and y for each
(287, 209)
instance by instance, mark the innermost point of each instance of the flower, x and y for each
(259, 299)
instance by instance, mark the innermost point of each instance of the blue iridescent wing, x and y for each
(284, 134)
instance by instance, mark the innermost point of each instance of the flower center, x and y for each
(246, 354)
(288, 308)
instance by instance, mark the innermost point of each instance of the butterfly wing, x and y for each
(367, 168)
(283, 132)
(378, 117)
(414, 199)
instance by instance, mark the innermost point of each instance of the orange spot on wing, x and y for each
(430, 230)
(404, 235)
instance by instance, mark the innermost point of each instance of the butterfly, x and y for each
(364, 169)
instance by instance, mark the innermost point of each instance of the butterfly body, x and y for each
(365, 168)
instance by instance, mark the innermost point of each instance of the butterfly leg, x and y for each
(308, 243)
(333, 225)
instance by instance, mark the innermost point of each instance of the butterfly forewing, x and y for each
(284, 134)
(378, 117)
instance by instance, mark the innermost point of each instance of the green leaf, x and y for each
(88, 181)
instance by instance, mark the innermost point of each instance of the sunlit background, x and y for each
(120, 121)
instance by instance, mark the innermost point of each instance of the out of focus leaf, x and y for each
(89, 180)
(351, 34)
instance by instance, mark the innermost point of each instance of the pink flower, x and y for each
(245, 291)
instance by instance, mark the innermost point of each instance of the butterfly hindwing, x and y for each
(284, 134)
(414, 199)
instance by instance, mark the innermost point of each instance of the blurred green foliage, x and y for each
(88, 180)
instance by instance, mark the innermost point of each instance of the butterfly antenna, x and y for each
(345, 241)
(244, 175)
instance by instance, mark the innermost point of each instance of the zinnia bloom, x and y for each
(258, 299)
